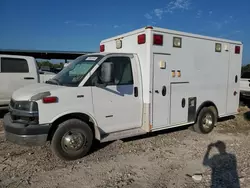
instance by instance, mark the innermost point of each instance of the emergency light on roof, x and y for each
(237, 49)
(141, 39)
(118, 44)
(102, 48)
(177, 42)
(158, 39)
(217, 47)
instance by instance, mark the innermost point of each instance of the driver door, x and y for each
(117, 107)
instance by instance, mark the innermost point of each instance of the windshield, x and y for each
(73, 74)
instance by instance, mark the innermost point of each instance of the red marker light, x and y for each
(50, 99)
(141, 39)
(158, 39)
(237, 49)
(102, 48)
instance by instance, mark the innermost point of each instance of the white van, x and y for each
(143, 81)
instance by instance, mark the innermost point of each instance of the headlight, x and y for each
(29, 106)
(25, 112)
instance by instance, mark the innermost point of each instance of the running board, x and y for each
(123, 134)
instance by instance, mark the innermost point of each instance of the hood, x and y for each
(26, 92)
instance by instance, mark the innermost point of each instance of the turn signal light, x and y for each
(50, 99)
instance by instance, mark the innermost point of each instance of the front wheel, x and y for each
(72, 140)
(205, 121)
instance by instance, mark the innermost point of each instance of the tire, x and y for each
(72, 130)
(215, 114)
(199, 126)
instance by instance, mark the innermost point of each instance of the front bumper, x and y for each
(24, 134)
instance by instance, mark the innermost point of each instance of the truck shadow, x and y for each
(247, 115)
(223, 119)
(98, 146)
(246, 103)
(157, 133)
(172, 130)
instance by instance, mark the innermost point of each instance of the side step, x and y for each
(123, 134)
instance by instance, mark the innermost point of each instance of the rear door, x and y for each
(118, 106)
(234, 79)
(14, 74)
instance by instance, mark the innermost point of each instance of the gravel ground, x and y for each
(172, 158)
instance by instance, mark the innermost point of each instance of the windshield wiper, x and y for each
(53, 81)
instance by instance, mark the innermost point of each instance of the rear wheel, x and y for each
(72, 140)
(205, 121)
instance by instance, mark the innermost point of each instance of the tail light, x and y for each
(102, 48)
(158, 39)
(141, 39)
(50, 99)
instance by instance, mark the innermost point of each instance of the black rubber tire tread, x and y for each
(215, 114)
(71, 124)
(198, 125)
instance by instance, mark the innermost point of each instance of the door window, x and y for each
(14, 65)
(123, 74)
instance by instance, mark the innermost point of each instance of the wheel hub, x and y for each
(207, 121)
(73, 140)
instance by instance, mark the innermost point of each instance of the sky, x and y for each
(80, 25)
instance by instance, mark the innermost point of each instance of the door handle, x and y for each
(136, 91)
(28, 78)
(164, 90)
(156, 91)
(80, 96)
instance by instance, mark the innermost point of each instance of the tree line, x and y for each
(245, 68)
(50, 65)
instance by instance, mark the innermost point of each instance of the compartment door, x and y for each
(182, 106)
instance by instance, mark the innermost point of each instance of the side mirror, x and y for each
(106, 74)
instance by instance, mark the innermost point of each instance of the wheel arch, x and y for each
(75, 115)
(207, 104)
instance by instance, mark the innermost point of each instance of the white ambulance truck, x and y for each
(143, 81)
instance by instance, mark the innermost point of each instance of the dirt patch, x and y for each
(163, 159)
(239, 124)
(2, 113)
